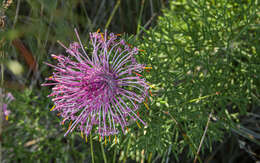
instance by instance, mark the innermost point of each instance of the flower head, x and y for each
(100, 90)
(6, 99)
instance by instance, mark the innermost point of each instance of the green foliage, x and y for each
(36, 133)
(205, 58)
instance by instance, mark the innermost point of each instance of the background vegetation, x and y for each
(206, 65)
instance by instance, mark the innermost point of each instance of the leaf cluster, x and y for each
(205, 59)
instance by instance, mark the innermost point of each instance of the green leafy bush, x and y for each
(205, 59)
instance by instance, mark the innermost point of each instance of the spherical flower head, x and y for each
(100, 90)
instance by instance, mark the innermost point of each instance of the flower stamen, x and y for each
(150, 93)
(138, 124)
(115, 139)
(138, 74)
(82, 135)
(52, 108)
(146, 106)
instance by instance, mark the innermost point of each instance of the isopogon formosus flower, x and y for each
(99, 89)
(6, 98)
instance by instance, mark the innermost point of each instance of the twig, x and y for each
(203, 136)
(91, 148)
(185, 136)
(146, 25)
(16, 12)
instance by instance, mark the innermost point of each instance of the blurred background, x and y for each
(205, 59)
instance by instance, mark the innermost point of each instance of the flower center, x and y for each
(110, 81)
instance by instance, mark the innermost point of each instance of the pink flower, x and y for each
(7, 98)
(100, 90)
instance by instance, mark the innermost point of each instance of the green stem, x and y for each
(139, 19)
(91, 147)
(127, 149)
(114, 157)
(2, 74)
(103, 152)
(112, 14)
(150, 157)
(185, 136)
